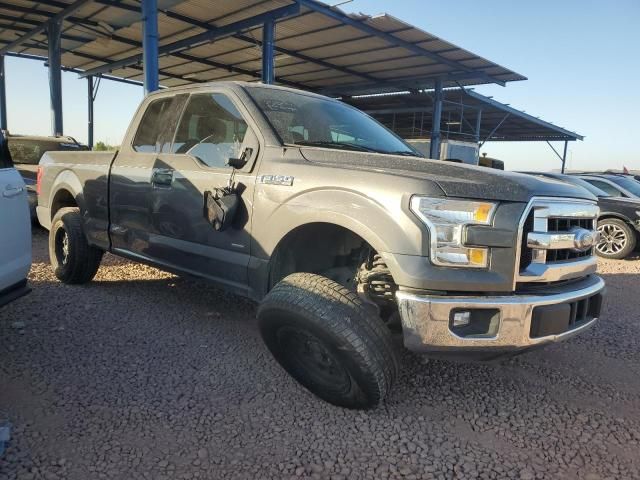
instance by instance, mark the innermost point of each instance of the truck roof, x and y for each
(233, 84)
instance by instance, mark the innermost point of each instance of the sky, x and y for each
(580, 57)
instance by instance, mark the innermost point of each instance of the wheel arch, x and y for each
(67, 192)
(314, 247)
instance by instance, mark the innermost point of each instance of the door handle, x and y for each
(12, 191)
(162, 177)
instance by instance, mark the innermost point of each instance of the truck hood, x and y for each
(455, 180)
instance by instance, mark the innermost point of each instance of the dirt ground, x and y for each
(143, 375)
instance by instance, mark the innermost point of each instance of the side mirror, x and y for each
(239, 163)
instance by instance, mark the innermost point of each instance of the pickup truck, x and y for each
(26, 151)
(341, 231)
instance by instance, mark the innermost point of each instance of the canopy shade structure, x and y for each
(466, 115)
(316, 47)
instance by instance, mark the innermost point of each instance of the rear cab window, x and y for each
(156, 129)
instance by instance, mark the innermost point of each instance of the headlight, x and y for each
(446, 220)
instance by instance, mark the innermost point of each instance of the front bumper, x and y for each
(521, 321)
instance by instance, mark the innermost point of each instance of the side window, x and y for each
(611, 190)
(158, 123)
(211, 129)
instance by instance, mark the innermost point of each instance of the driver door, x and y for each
(211, 130)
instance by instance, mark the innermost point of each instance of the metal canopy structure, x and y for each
(466, 115)
(301, 43)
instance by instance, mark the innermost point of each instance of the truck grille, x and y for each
(555, 240)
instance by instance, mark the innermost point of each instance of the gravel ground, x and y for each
(144, 375)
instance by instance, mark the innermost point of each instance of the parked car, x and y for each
(340, 229)
(619, 220)
(15, 229)
(616, 185)
(27, 150)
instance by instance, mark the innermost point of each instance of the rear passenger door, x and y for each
(15, 224)
(212, 129)
(130, 186)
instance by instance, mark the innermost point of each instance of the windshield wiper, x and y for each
(405, 153)
(337, 145)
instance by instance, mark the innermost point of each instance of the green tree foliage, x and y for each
(103, 147)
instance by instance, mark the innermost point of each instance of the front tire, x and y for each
(617, 239)
(324, 337)
(74, 261)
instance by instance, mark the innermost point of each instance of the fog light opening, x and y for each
(475, 323)
(461, 319)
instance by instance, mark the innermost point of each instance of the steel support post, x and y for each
(268, 52)
(437, 118)
(150, 45)
(55, 76)
(3, 96)
(564, 155)
(478, 125)
(90, 98)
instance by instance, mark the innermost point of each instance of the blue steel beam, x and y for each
(27, 56)
(268, 60)
(41, 28)
(564, 155)
(285, 51)
(346, 19)
(55, 76)
(438, 98)
(90, 98)
(202, 38)
(3, 96)
(150, 45)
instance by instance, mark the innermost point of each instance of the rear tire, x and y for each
(324, 337)
(617, 239)
(74, 261)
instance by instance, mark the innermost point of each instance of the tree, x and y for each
(103, 147)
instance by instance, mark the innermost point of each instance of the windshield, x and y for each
(301, 119)
(628, 184)
(586, 185)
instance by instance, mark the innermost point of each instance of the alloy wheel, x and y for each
(612, 239)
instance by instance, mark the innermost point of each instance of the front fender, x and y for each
(387, 228)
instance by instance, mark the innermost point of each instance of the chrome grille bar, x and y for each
(538, 240)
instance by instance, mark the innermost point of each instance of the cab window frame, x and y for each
(246, 117)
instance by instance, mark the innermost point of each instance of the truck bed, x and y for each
(86, 174)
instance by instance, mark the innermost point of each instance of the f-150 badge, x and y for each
(284, 180)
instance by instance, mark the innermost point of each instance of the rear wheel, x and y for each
(73, 260)
(324, 336)
(617, 239)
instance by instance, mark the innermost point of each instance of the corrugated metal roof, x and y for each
(315, 50)
(409, 115)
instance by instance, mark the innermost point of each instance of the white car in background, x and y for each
(15, 229)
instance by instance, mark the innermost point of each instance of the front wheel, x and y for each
(617, 239)
(324, 336)
(73, 260)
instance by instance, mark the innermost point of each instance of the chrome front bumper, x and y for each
(426, 320)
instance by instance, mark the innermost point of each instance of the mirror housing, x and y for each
(239, 163)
